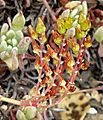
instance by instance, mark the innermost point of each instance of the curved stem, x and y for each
(57, 68)
(49, 10)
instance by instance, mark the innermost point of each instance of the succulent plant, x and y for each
(12, 41)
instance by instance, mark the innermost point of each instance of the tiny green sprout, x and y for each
(11, 39)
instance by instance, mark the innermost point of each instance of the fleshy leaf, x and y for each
(51, 52)
(3, 46)
(75, 48)
(70, 32)
(88, 42)
(86, 25)
(10, 34)
(65, 13)
(23, 45)
(3, 38)
(60, 25)
(72, 4)
(33, 33)
(20, 115)
(68, 23)
(10, 63)
(4, 28)
(57, 38)
(74, 13)
(18, 21)
(81, 18)
(4, 55)
(30, 112)
(79, 33)
(19, 35)
(40, 28)
(43, 36)
(98, 35)
(36, 48)
(85, 8)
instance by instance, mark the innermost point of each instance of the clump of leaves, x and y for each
(12, 41)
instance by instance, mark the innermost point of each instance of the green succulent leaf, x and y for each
(3, 46)
(74, 12)
(4, 29)
(12, 62)
(65, 13)
(23, 45)
(81, 18)
(20, 115)
(85, 8)
(86, 25)
(18, 21)
(58, 41)
(9, 48)
(80, 35)
(9, 41)
(3, 38)
(19, 35)
(68, 23)
(60, 25)
(4, 55)
(14, 42)
(30, 112)
(98, 35)
(10, 34)
(70, 32)
(40, 28)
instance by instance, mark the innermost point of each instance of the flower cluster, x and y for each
(12, 41)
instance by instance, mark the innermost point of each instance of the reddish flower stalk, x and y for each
(78, 62)
(58, 67)
(41, 66)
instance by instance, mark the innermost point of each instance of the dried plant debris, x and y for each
(94, 117)
(74, 107)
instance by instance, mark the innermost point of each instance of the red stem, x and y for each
(41, 66)
(78, 62)
(58, 67)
